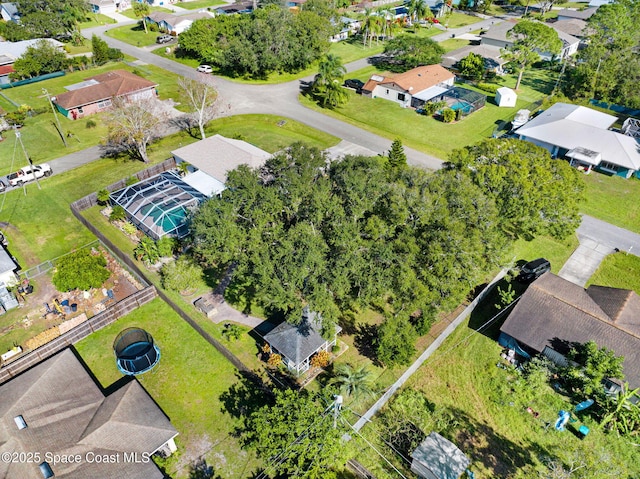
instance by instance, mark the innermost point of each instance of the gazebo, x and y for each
(438, 458)
(298, 343)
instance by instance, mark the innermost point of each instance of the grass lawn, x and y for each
(72, 49)
(453, 44)
(188, 383)
(199, 4)
(556, 251)
(613, 199)
(457, 20)
(619, 270)
(133, 35)
(130, 14)
(95, 20)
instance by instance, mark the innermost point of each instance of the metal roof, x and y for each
(6, 261)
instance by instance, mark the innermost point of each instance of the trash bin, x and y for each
(64, 302)
(74, 307)
(584, 430)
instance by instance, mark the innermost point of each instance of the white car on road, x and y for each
(205, 69)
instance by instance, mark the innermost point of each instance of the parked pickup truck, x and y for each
(29, 173)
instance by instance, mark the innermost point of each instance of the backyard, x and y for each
(189, 383)
(199, 4)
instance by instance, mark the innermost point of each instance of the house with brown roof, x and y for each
(62, 421)
(96, 94)
(413, 87)
(554, 313)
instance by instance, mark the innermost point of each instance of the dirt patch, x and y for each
(193, 452)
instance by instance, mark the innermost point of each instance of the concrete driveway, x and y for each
(597, 240)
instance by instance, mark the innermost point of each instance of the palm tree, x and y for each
(327, 83)
(353, 382)
(141, 10)
(371, 25)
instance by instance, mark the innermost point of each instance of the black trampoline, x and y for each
(135, 351)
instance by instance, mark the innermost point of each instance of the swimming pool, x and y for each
(167, 220)
(462, 105)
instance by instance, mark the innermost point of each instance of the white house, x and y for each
(582, 135)
(175, 24)
(8, 268)
(9, 12)
(506, 97)
(411, 88)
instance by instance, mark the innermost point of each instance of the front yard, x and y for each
(133, 35)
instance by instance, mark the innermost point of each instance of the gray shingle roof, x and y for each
(438, 457)
(66, 413)
(297, 342)
(554, 312)
(6, 261)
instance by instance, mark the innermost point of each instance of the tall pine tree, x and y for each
(397, 156)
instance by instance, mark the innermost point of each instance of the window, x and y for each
(80, 110)
(104, 104)
(401, 96)
(608, 166)
(387, 91)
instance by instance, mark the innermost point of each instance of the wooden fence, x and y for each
(81, 331)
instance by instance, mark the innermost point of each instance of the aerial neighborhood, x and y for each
(319, 239)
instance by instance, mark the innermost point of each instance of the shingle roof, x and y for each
(579, 14)
(415, 80)
(66, 413)
(500, 31)
(297, 342)
(554, 312)
(217, 155)
(570, 126)
(6, 261)
(574, 27)
(15, 50)
(110, 85)
(438, 457)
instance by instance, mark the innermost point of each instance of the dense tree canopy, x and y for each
(406, 52)
(296, 437)
(347, 234)
(81, 269)
(534, 194)
(45, 19)
(472, 66)
(271, 39)
(609, 67)
(39, 59)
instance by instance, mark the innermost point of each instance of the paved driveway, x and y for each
(597, 240)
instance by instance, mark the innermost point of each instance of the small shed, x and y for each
(506, 97)
(297, 343)
(438, 458)
(8, 268)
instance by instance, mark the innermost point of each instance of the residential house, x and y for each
(298, 343)
(56, 408)
(9, 12)
(295, 4)
(438, 458)
(412, 88)
(11, 51)
(438, 7)
(553, 313)
(8, 268)
(97, 93)
(582, 136)
(242, 6)
(175, 24)
(570, 14)
(489, 53)
(213, 158)
(497, 36)
(107, 6)
(5, 71)
(599, 3)
(348, 27)
(574, 27)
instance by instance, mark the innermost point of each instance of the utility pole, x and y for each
(337, 405)
(46, 93)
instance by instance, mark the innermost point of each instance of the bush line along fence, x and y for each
(92, 200)
(81, 331)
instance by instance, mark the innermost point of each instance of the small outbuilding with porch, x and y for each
(298, 343)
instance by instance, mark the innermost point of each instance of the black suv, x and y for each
(533, 270)
(355, 84)
(164, 39)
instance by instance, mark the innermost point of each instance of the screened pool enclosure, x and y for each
(160, 205)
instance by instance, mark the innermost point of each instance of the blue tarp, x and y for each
(507, 341)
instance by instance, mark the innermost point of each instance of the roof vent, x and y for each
(419, 74)
(46, 471)
(20, 422)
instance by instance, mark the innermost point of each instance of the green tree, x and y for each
(141, 10)
(397, 157)
(46, 19)
(353, 382)
(103, 196)
(448, 115)
(182, 275)
(82, 269)
(147, 251)
(530, 38)
(371, 25)
(621, 412)
(594, 365)
(406, 52)
(418, 9)
(395, 344)
(296, 437)
(534, 194)
(472, 66)
(39, 59)
(327, 85)
(100, 50)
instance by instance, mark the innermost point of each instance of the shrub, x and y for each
(166, 246)
(146, 251)
(320, 359)
(458, 115)
(489, 87)
(103, 196)
(274, 360)
(181, 275)
(132, 180)
(117, 214)
(80, 270)
(15, 118)
(129, 228)
(232, 332)
(448, 115)
(90, 124)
